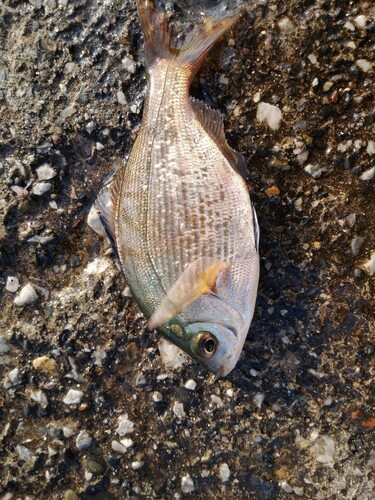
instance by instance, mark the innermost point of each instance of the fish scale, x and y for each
(179, 214)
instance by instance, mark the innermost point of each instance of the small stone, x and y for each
(272, 191)
(97, 266)
(121, 99)
(190, 384)
(27, 295)
(356, 244)
(216, 401)
(286, 487)
(12, 284)
(67, 431)
(187, 484)
(45, 172)
(258, 399)
(178, 410)
(53, 204)
(312, 58)
(40, 188)
(360, 21)
(71, 495)
(349, 26)
(38, 396)
(127, 292)
(137, 464)
(4, 346)
(12, 379)
(285, 25)
(118, 447)
(125, 426)
(370, 148)
(315, 170)
(73, 397)
(67, 112)
(24, 453)
(99, 146)
(172, 356)
(83, 440)
(327, 86)
(129, 65)
(156, 397)
(369, 265)
(315, 82)
(269, 114)
(224, 472)
(223, 80)
(364, 65)
(323, 449)
(368, 174)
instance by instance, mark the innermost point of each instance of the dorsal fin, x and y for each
(105, 204)
(198, 279)
(212, 121)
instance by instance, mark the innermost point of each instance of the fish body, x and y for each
(179, 214)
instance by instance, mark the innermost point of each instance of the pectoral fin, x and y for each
(198, 278)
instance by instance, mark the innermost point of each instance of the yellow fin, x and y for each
(198, 278)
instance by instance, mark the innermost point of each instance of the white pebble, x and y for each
(118, 447)
(73, 397)
(349, 26)
(27, 295)
(270, 114)
(312, 58)
(190, 384)
(364, 65)
(127, 442)
(83, 440)
(370, 148)
(171, 356)
(369, 265)
(356, 244)
(285, 25)
(258, 399)
(121, 99)
(90, 127)
(93, 220)
(4, 346)
(69, 111)
(156, 397)
(12, 284)
(323, 449)
(315, 82)
(224, 472)
(12, 378)
(137, 464)
(40, 188)
(45, 172)
(53, 204)
(24, 453)
(315, 170)
(187, 484)
(67, 431)
(38, 396)
(368, 174)
(97, 266)
(286, 487)
(127, 292)
(360, 21)
(129, 65)
(178, 410)
(223, 80)
(124, 426)
(217, 401)
(256, 97)
(99, 146)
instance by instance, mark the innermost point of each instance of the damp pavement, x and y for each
(91, 403)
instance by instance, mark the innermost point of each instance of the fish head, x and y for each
(215, 346)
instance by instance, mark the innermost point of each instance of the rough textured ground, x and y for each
(296, 417)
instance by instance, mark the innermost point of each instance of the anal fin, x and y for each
(212, 121)
(198, 279)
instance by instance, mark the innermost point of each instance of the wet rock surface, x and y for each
(87, 408)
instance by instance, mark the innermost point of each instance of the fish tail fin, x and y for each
(191, 45)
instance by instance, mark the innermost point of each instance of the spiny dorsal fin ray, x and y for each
(105, 204)
(198, 279)
(212, 121)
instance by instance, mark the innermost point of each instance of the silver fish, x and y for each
(179, 213)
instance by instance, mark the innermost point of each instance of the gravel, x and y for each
(79, 371)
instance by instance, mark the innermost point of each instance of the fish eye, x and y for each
(205, 344)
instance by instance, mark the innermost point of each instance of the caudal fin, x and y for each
(191, 45)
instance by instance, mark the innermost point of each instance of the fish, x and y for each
(178, 213)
